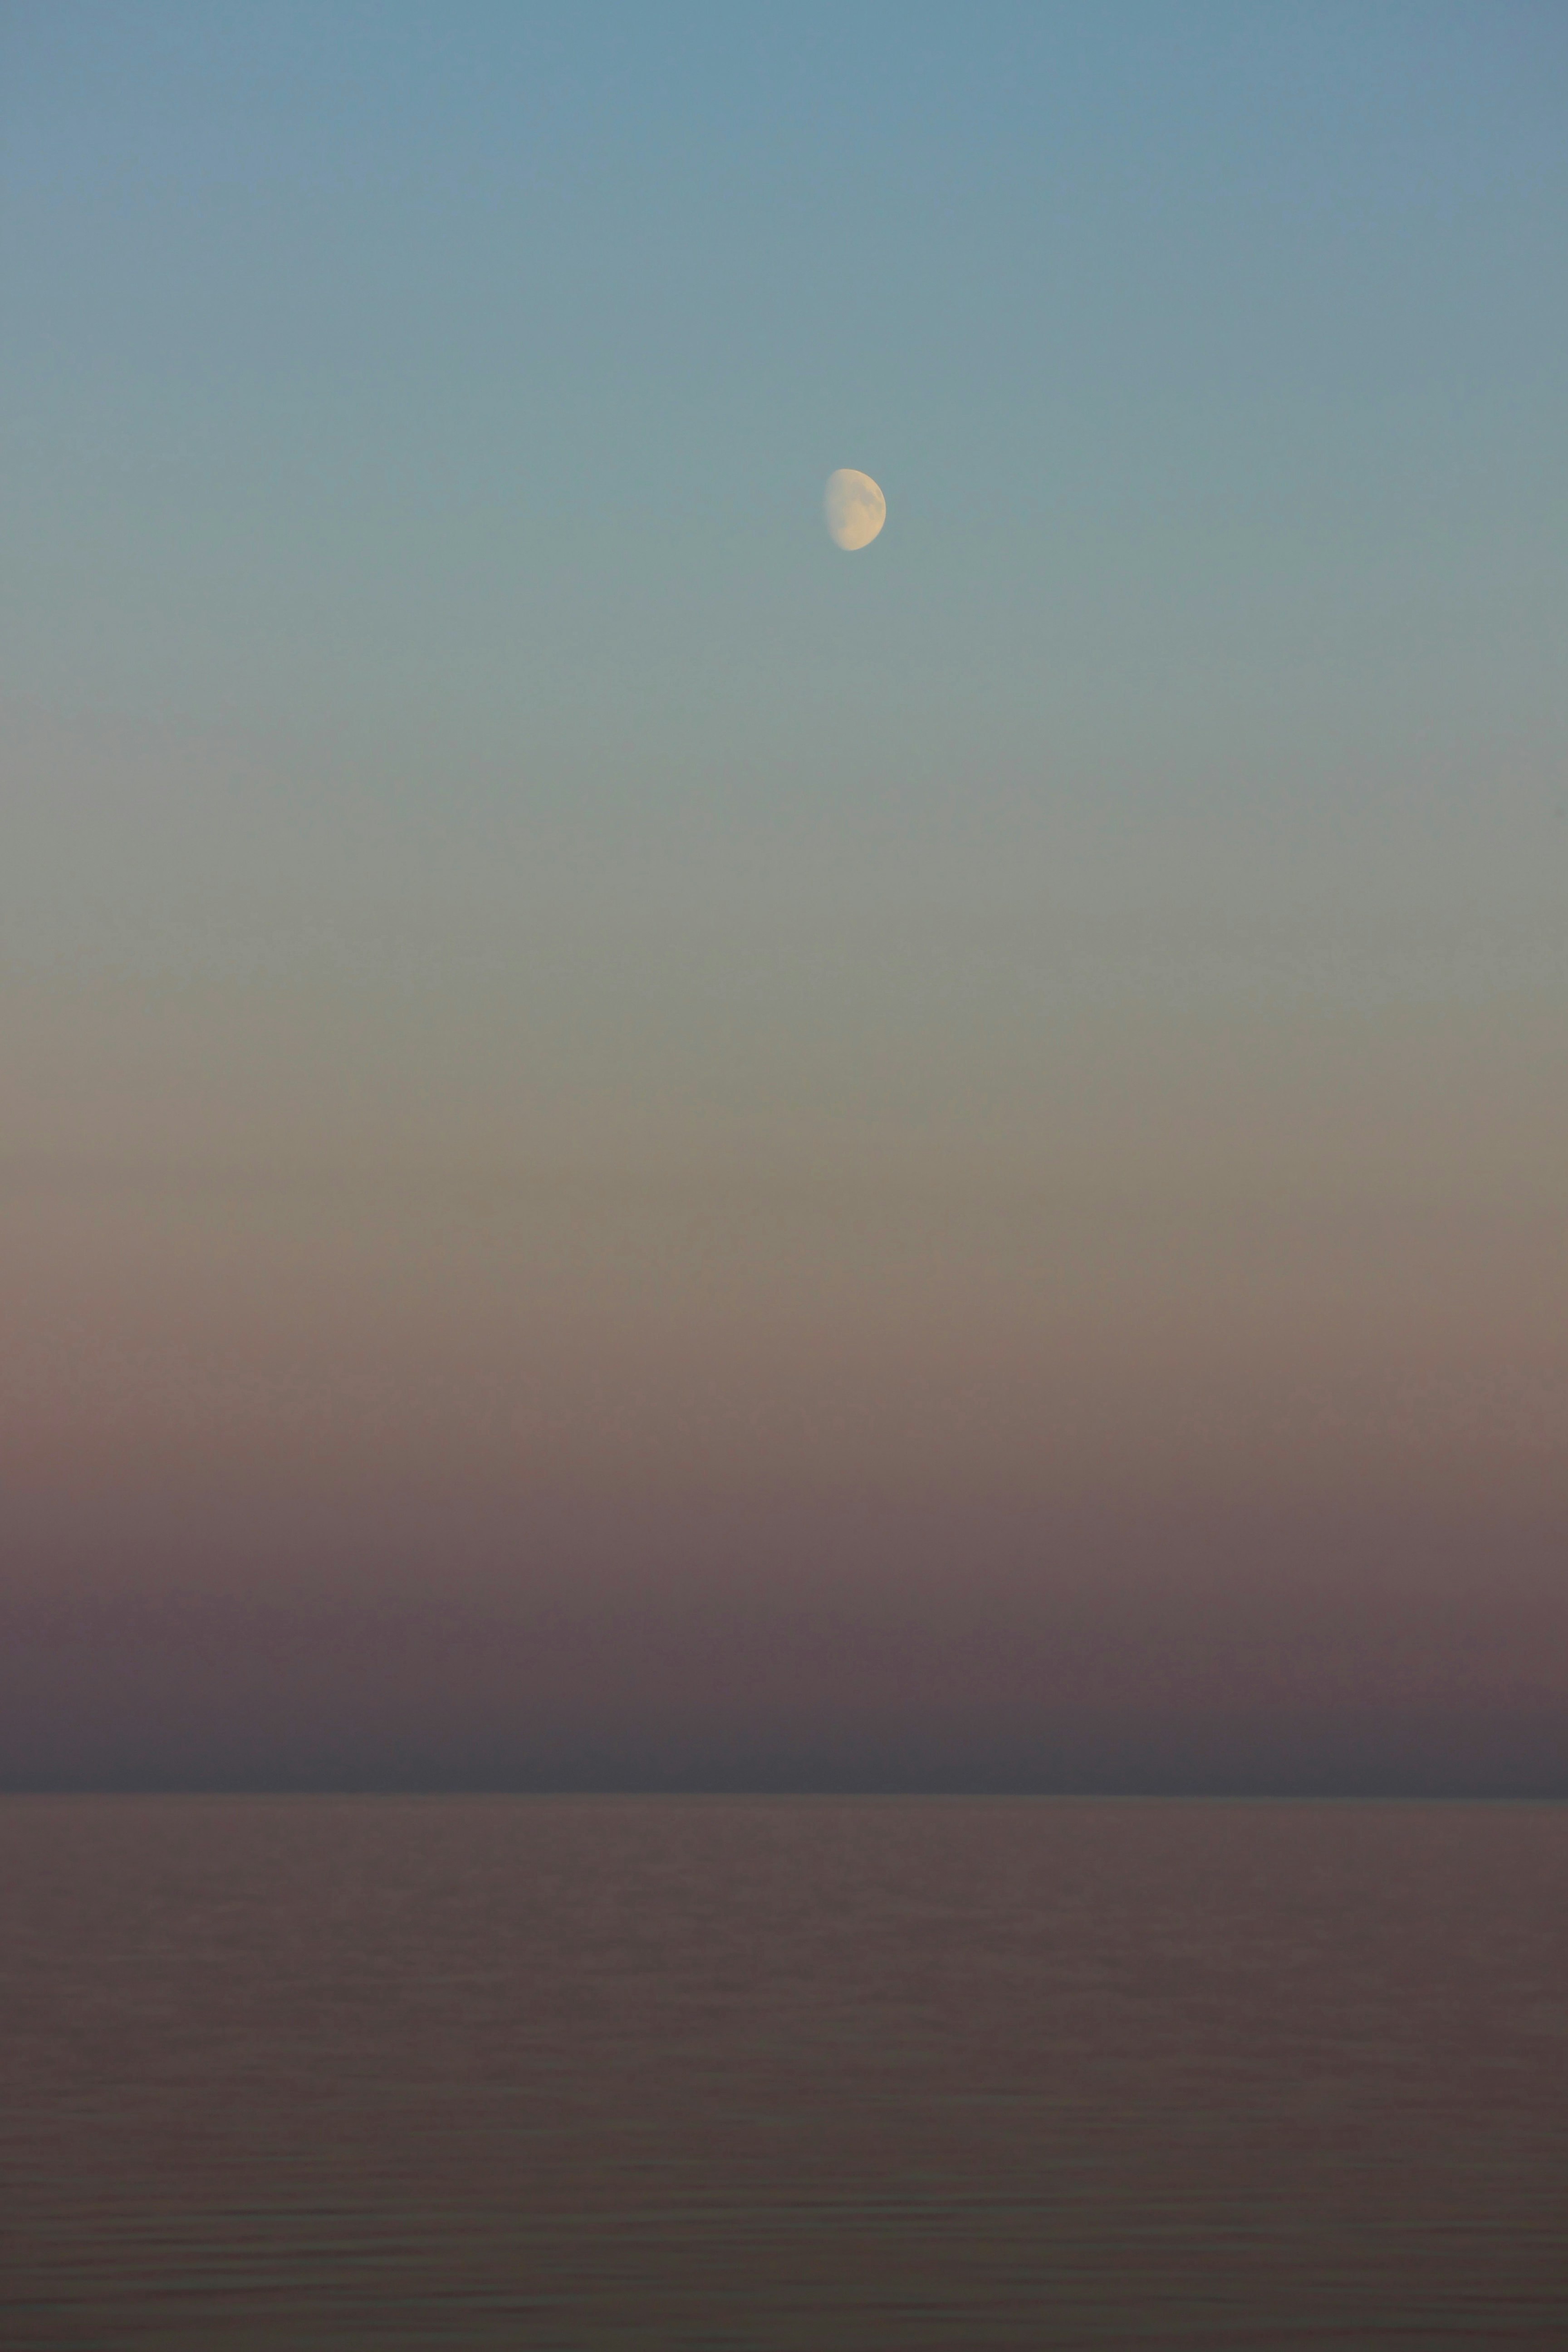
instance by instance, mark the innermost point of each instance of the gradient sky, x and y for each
(636, 1152)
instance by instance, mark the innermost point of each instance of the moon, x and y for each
(855, 508)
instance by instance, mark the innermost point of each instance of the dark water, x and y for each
(311, 2073)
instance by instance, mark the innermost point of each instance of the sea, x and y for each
(732, 2074)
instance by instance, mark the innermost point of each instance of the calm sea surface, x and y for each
(579, 2073)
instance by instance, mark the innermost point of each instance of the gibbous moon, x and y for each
(855, 508)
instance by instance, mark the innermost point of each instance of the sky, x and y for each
(637, 1154)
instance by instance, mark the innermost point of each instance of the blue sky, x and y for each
(476, 371)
